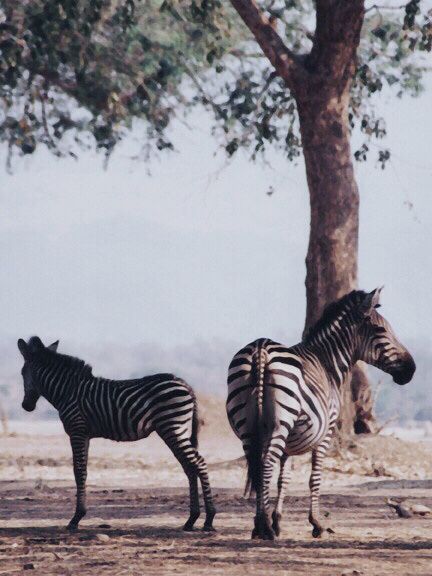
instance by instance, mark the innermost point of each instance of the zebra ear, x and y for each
(376, 297)
(53, 347)
(23, 348)
(35, 344)
(371, 301)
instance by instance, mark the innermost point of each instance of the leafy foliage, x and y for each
(80, 69)
(77, 74)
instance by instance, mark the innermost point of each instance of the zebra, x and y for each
(286, 401)
(123, 410)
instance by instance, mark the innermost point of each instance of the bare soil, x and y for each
(138, 500)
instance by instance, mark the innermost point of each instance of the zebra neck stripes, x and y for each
(334, 348)
(61, 385)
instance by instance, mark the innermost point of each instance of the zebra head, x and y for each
(30, 352)
(378, 343)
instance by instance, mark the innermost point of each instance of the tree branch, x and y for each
(68, 87)
(383, 7)
(283, 60)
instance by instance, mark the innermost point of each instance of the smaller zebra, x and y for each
(123, 410)
(286, 401)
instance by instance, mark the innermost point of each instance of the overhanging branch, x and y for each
(283, 60)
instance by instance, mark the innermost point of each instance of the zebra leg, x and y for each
(208, 499)
(194, 467)
(284, 476)
(315, 485)
(193, 498)
(263, 528)
(254, 484)
(80, 445)
(201, 468)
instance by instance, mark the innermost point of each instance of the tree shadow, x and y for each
(57, 534)
(223, 539)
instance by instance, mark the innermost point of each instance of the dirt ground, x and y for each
(138, 500)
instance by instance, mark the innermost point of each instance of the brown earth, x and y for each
(138, 500)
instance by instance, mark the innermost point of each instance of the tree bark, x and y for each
(331, 262)
(320, 83)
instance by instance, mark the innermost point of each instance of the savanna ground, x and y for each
(138, 500)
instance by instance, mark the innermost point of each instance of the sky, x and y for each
(197, 251)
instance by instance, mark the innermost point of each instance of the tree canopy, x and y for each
(76, 74)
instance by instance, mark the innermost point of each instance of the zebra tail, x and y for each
(195, 425)
(254, 479)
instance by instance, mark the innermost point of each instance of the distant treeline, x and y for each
(203, 364)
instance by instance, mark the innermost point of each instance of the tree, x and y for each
(88, 70)
(320, 83)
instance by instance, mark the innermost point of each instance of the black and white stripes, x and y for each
(127, 410)
(285, 401)
(281, 402)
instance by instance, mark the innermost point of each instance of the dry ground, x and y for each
(137, 501)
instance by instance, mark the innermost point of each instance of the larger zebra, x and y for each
(126, 410)
(286, 401)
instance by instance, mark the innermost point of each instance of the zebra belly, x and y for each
(306, 434)
(130, 437)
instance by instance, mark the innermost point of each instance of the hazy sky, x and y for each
(198, 250)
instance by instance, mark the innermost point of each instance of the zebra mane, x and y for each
(47, 355)
(334, 311)
(71, 362)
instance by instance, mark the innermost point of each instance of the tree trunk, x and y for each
(4, 421)
(363, 401)
(320, 82)
(331, 263)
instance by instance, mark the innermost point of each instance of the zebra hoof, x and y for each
(269, 534)
(188, 527)
(72, 527)
(208, 522)
(263, 532)
(262, 536)
(318, 531)
(276, 523)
